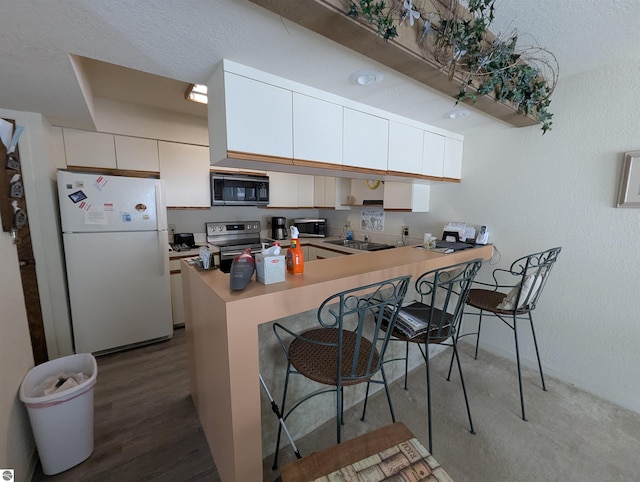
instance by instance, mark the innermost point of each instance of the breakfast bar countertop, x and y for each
(222, 338)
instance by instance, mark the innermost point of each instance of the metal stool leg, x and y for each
(339, 408)
(515, 335)
(386, 389)
(535, 343)
(406, 363)
(464, 389)
(366, 399)
(282, 405)
(478, 335)
(429, 398)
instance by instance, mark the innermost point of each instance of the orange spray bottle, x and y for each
(295, 258)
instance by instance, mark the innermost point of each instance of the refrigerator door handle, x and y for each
(161, 212)
(163, 250)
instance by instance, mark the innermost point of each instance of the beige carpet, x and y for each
(569, 436)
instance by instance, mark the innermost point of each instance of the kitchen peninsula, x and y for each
(222, 338)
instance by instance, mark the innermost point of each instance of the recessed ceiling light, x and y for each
(457, 114)
(197, 93)
(366, 77)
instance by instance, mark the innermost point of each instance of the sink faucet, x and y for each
(366, 238)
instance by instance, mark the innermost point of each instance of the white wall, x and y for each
(535, 192)
(16, 359)
(16, 442)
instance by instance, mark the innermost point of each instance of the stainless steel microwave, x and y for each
(311, 228)
(239, 190)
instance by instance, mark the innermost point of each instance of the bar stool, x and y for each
(527, 277)
(347, 348)
(434, 320)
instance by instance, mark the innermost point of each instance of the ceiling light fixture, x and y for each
(366, 77)
(197, 93)
(457, 114)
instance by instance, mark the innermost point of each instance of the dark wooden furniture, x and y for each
(343, 455)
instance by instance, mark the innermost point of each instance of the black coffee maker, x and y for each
(279, 228)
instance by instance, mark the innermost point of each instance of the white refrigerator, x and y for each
(115, 238)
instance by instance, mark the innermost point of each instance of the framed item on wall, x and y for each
(629, 195)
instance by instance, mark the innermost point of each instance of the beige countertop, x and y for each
(222, 338)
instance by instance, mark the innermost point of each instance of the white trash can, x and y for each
(62, 422)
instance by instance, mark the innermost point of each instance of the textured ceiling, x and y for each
(181, 42)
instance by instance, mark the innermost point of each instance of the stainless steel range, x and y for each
(232, 238)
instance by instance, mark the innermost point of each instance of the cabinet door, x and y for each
(325, 253)
(405, 148)
(365, 140)
(325, 192)
(404, 196)
(89, 149)
(177, 303)
(309, 253)
(283, 189)
(185, 170)
(433, 154)
(452, 159)
(305, 191)
(317, 130)
(137, 154)
(259, 117)
(319, 199)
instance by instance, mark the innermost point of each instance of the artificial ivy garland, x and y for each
(464, 45)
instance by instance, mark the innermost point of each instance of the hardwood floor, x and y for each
(145, 426)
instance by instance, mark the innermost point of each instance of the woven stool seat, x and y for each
(489, 300)
(320, 363)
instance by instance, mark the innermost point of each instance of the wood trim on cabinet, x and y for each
(414, 175)
(364, 170)
(450, 179)
(249, 156)
(318, 164)
(114, 172)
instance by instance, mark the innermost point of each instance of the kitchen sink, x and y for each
(361, 245)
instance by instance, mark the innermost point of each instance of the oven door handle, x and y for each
(227, 254)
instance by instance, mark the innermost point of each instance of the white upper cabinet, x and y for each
(185, 170)
(331, 192)
(405, 148)
(137, 154)
(320, 191)
(403, 196)
(258, 117)
(433, 154)
(452, 159)
(305, 191)
(89, 149)
(365, 141)
(288, 190)
(283, 189)
(317, 130)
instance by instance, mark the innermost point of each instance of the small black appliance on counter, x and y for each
(279, 228)
(183, 242)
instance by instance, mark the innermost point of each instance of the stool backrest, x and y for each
(362, 311)
(533, 270)
(445, 291)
